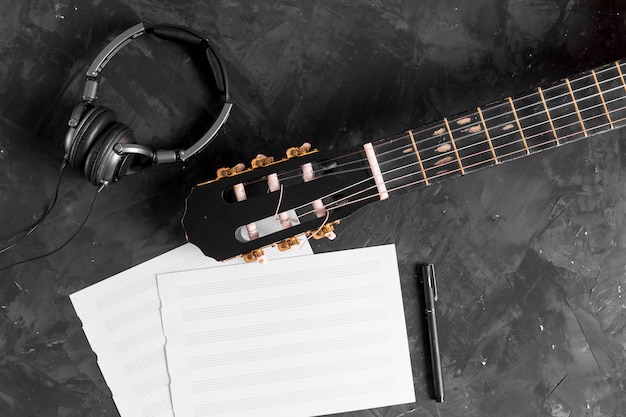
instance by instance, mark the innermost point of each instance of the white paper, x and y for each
(304, 336)
(122, 322)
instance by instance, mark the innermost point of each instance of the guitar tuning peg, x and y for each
(330, 235)
(255, 255)
(327, 231)
(302, 150)
(227, 172)
(262, 160)
(285, 245)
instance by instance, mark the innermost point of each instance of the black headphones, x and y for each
(105, 149)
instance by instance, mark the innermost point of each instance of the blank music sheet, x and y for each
(304, 336)
(122, 321)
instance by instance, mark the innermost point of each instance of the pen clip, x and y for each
(432, 280)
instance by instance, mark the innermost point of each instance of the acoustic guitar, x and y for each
(308, 192)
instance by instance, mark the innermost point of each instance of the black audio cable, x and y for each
(42, 218)
(93, 200)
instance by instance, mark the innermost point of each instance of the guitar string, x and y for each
(480, 132)
(326, 217)
(441, 167)
(504, 103)
(349, 200)
(280, 200)
(522, 151)
(465, 138)
(512, 132)
(527, 95)
(473, 144)
(337, 203)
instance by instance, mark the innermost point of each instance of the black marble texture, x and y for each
(530, 255)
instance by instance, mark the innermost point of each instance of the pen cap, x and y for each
(430, 282)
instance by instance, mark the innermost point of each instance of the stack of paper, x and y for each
(302, 336)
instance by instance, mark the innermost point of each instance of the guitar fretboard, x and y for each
(571, 109)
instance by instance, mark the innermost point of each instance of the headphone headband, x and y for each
(113, 48)
(173, 33)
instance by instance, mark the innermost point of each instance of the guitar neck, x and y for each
(309, 192)
(571, 109)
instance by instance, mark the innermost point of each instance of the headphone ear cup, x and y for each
(94, 122)
(103, 164)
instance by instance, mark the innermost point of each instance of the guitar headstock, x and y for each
(244, 210)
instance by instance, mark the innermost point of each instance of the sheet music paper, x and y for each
(304, 336)
(122, 322)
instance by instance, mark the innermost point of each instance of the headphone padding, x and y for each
(178, 34)
(89, 129)
(97, 163)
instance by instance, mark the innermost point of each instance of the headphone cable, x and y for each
(93, 200)
(42, 218)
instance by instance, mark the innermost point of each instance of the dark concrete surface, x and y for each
(530, 255)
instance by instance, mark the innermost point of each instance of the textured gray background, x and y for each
(530, 255)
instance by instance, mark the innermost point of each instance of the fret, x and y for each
(545, 107)
(519, 126)
(621, 76)
(454, 148)
(399, 164)
(504, 134)
(606, 110)
(487, 136)
(537, 121)
(590, 102)
(419, 158)
(580, 118)
(472, 147)
(613, 88)
(436, 152)
(564, 115)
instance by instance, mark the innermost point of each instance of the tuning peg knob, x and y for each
(255, 255)
(285, 245)
(302, 150)
(262, 160)
(327, 231)
(228, 172)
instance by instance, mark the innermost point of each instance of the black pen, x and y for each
(430, 293)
